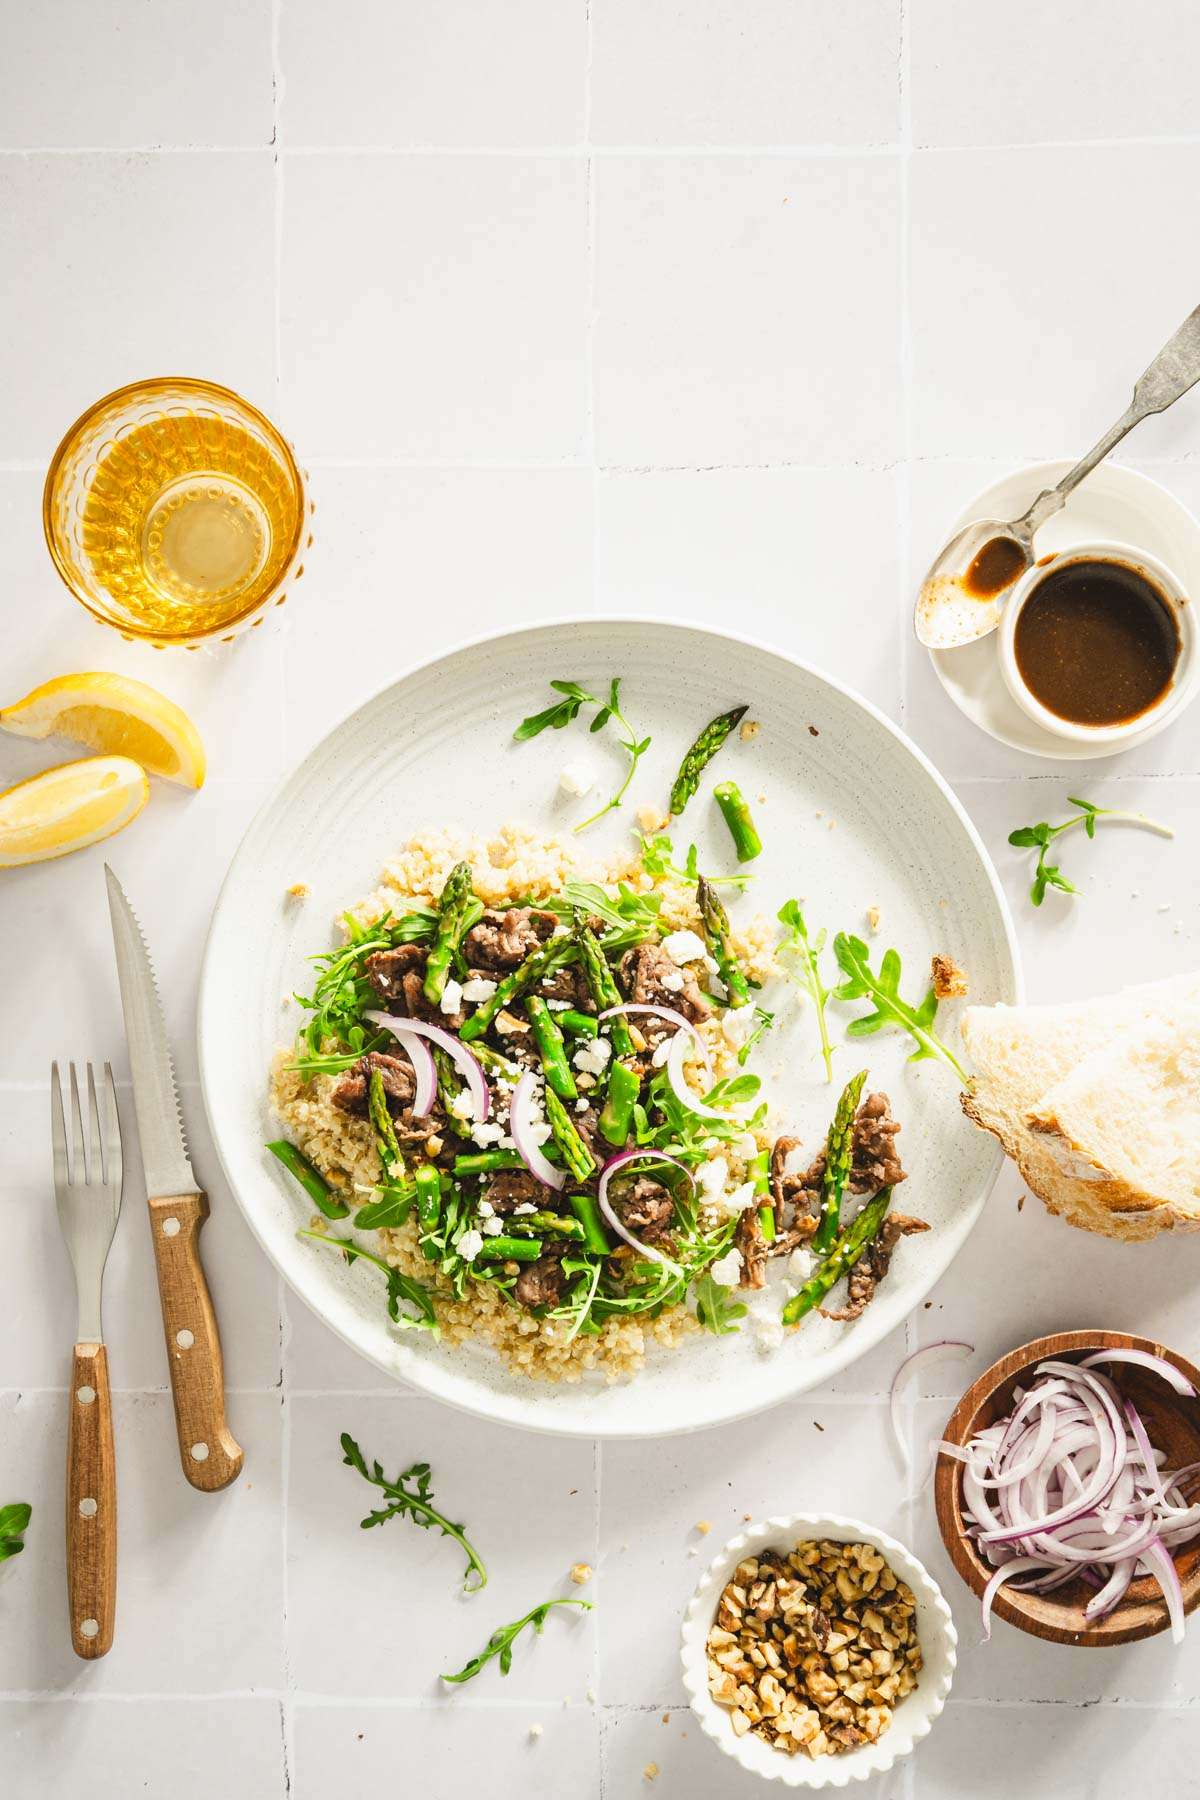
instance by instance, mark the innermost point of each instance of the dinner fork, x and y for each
(87, 1189)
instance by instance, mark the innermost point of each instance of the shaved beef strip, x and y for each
(647, 977)
(748, 1238)
(542, 1282)
(502, 941)
(645, 1208)
(399, 1086)
(873, 1265)
(511, 1188)
(397, 976)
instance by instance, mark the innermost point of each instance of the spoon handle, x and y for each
(1174, 370)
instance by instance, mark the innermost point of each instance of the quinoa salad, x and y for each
(524, 1091)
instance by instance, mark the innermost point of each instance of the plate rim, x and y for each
(500, 1413)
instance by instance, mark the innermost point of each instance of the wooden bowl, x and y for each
(1173, 1425)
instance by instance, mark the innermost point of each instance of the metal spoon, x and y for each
(960, 599)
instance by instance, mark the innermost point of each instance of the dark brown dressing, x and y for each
(995, 567)
(1097, 643)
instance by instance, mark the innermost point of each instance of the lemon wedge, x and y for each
(118, 717)
(67, 808)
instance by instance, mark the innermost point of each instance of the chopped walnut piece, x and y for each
(949, 980)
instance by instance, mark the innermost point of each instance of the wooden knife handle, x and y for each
(210, 1454)
(91, 1505)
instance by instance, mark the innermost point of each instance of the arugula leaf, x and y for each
(400, 1287)
(733, 1090)
(564, 711)
(714, 1309)
(763, 1022)
(410, 1496)
(862, 982)
(1039, 837)
(657, 859)
(390, 1208)
(807, 974)
(14, 1520)
(501, 1641)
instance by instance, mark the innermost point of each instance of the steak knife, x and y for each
(210, 1454)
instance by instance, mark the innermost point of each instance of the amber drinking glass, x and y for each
(176, 512)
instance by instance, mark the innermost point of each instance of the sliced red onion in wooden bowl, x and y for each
(467, 1065)
(1069, 1484)
(521, 1124)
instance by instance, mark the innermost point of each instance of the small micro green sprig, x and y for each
(658, 851)
(1040, 837)
(410, 1496)
(807, 972)
(563, 711)
(14, 1520)
(862, 983)
(501, 1641)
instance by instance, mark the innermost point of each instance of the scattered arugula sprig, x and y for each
(657, 854)
(862, 982)
(14, 1520)
(501, 1641)
(763, 1022)
(807, 973)
(564, 711)
(1039, 837)
(410, 1496)
(399, 1286)
(715, 1310)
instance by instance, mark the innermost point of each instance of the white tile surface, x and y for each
(120, 266)
(434, 307)
(457, 74)
(780, 72)
(700, 311)
(105, 73)
(746, 310)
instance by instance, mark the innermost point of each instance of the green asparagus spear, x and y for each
(602, 985)
(839, 1154)
(579, 1024)
(509, 1249)
(616, 1118)
(701, 754)
(429, 1208)
(587, 1210)
(486, 1162)
(448, 1086)
(453, 921)
(385, 1132)
(546, 1224)
(551, 1048)
(716, 934)
(736, 815)
(575, 1153)
(310, 1179)
(760, 1175)
(841, 1259)
(495, 1063)
(543, 961)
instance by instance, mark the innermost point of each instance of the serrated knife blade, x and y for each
(155, 1091)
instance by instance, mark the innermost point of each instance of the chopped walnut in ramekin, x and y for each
(812, 1651)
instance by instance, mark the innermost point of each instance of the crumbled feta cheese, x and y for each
(742, 1197)
(738, 1022)
(452, 995)
(796, 1161)
(485, 1209)
(712, 1176)
(462, 1107)
(526, 1206)
(592, 1056)
(576, 778)
(558, 1005)
(684, 947)
(710, 963)
(582, 1104)
(478, 989)
(766, 1323)
(492, 1227)
(661, 1053)
(539, 1133)
(469, 1245)
(487, 1133)
(728, 1268)
(746, 1146)
(673, 980)
(801, 1264)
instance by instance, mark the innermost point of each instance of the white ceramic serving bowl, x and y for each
(1183, 683)
(915, 1714)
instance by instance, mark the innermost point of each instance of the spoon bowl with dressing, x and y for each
(1098, 642)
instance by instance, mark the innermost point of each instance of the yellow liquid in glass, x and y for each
(188, 521)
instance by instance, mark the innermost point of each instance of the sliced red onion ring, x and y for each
(1160, 1564)
(1170, 1374)
(424, 1071)
(680, 1046)
(677, 1019)
(918, 1358)
(606, 1207)
(466, 1064)
(521, 1123)
(1019, 1565)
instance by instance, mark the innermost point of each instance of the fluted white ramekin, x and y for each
(913, 1717)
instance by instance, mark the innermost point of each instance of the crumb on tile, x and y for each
(873, 917)
(651, 1771)
(581, 1573)
(652, 818)
(949, 978)
(813, 732)
(750, 729)
(535, 1732)
(299, 890)
(703, 1526)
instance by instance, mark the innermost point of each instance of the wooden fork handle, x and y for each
(91, 1505)
(210, 1454)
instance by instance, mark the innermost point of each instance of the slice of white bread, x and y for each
(1127, 1121)
(1019, 1053)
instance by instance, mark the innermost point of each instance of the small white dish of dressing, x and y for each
(1116, 507)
